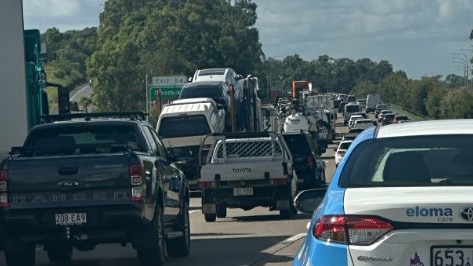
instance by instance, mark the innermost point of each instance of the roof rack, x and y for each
(88, 116)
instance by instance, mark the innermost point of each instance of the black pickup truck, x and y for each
(88, 180)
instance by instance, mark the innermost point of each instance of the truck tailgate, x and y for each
(45, 182)
(243, 170)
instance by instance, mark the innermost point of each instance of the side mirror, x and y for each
(308, 200)
(160, 162)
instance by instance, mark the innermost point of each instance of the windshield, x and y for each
(408, 161)
(183, 126)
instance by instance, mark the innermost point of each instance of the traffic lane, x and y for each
(80, 92)
(254, 237)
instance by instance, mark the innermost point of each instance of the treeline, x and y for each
(136, 38)
(67, 54)
(431, 97)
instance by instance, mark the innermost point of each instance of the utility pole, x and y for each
(463, 59)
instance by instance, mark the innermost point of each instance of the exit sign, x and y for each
(168, 81)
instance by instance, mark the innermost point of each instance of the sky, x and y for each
(419, 37)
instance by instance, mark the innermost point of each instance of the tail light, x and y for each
(206, 184)
(3, 189)
(354, 230)
(278, 181)
(136, 180)
(207, 146)
(341, 152)
(310, 161)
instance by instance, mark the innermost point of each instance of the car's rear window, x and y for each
(82, 138)
(212, 91)
(184, 126)
(410, 161)
(345, 145)
(297, 144)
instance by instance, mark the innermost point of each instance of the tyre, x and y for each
(210, 217)
(155, 253)
(180, 247)
(285, 214)
(221, 211)
(24, 256)
(293, 210)
(59, 252)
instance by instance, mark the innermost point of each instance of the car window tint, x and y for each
(212, 91)
(447, 161)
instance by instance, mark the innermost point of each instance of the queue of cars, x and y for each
(401, 195)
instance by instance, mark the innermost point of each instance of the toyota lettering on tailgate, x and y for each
(241, 170)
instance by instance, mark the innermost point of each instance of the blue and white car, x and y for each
(402, 195)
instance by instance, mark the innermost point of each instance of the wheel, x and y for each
(155, 253)
(221, 211)
(24, 256)
(293, 209)
(180, 247)
(210, 217)
(59, 252)
(285, 214)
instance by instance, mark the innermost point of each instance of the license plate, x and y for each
(71, 218)
(243, 191)
(451, 255)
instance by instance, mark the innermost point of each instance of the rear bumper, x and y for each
(40, 225)
(275, 197)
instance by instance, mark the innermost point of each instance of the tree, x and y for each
(168, 38)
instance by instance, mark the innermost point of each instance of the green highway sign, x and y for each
(167, 93)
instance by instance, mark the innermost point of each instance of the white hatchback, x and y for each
(340, 150)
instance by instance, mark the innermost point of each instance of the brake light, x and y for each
(3, 189)
(206, 184)
(341, 152)
(278, 181)
(136, 170)
(354, 230)
(136, 180)
(206, 146)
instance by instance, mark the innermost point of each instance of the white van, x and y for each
(371, 101)
(349, 110)
(216, 74)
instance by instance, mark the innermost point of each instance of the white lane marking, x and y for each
(294, 238)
